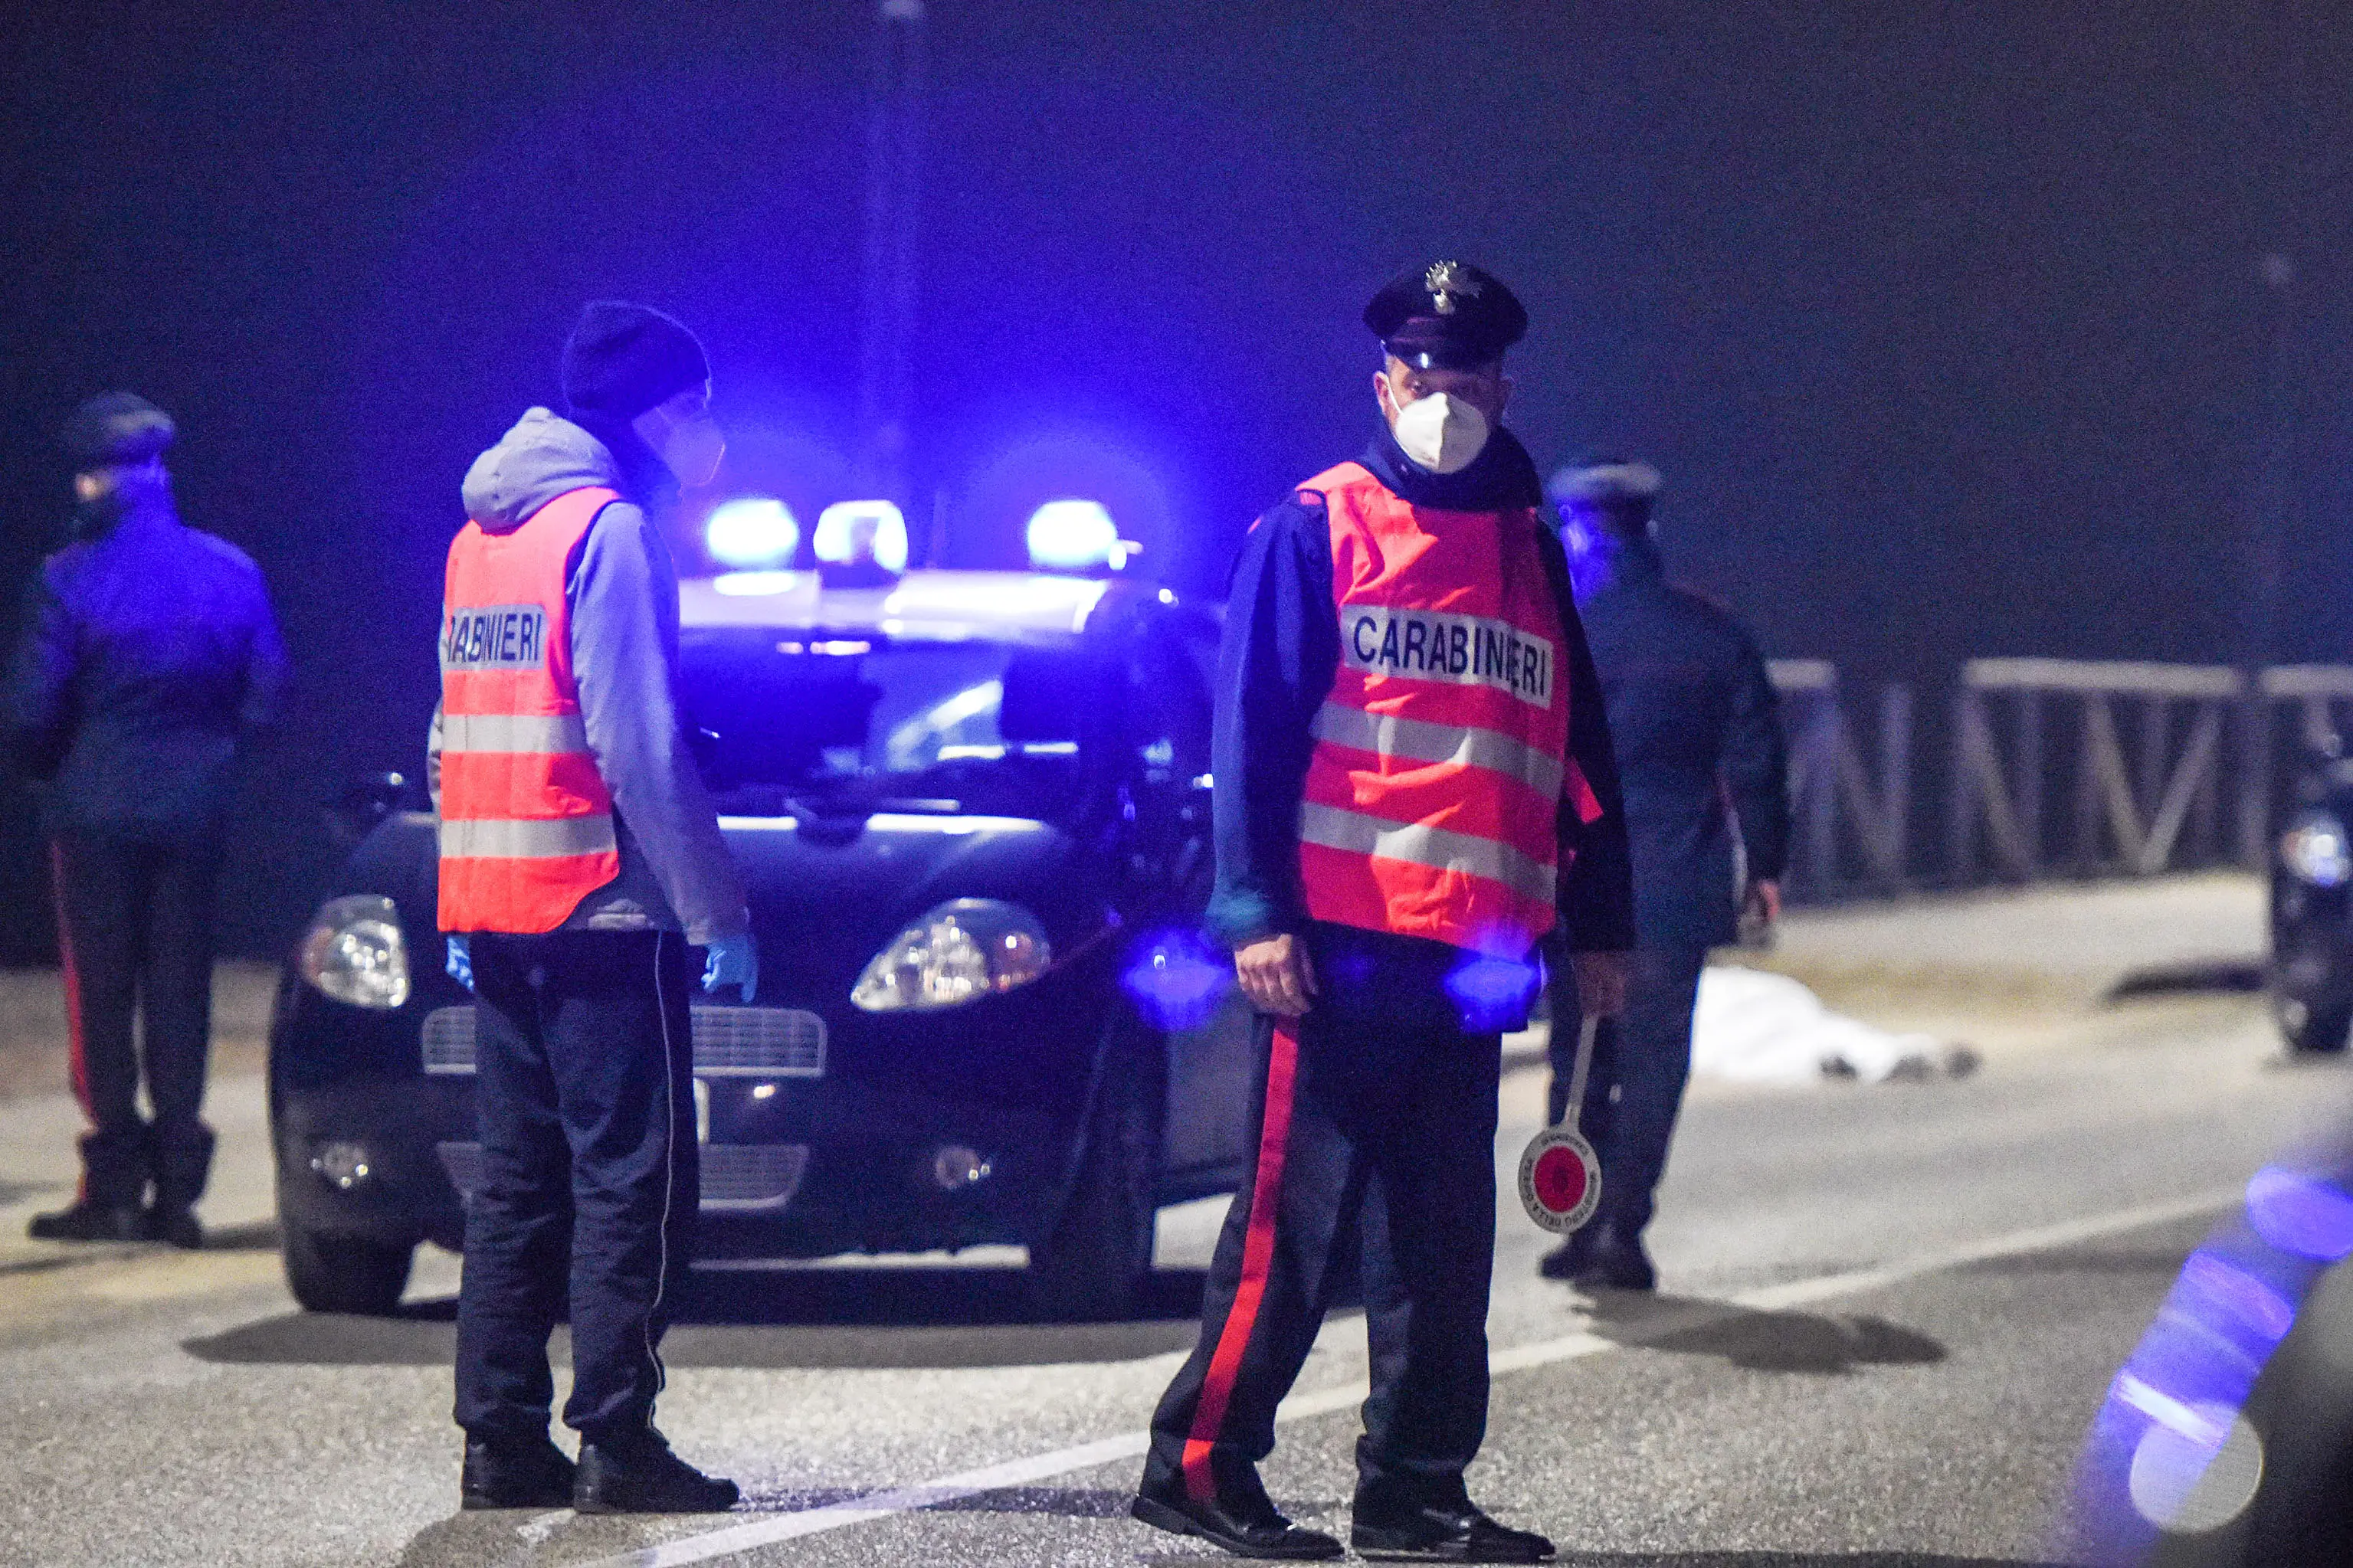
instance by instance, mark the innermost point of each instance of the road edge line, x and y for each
(777, 1528)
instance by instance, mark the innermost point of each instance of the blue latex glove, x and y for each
(733, 960)
(460, 964)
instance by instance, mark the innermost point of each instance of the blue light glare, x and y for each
(2298, 1214)
(853, 531)
(2318, 850)
(1074, 536)
(1492, 993)
(2176, 1407)
(2226, 1297)
(2172, 1414)
(754, 584)
(751, 531)
(1177, 980)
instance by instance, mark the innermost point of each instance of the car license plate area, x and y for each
(737, 1178)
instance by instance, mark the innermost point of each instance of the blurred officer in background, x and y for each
(148, 655)
(1413, 786)
(580, 859)
(1694, 720)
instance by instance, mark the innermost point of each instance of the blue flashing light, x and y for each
(1492, 993)
(1177, 980)
(2229, 1301)
(1075, 536)
(752, 531)
(2300, 1215)
(855, 532)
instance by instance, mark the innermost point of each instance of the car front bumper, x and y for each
(799, 1157)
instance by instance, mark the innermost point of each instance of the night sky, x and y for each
(1947, 323)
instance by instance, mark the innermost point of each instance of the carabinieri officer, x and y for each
(1414, 783)
(580, 859)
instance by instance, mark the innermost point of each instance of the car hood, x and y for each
(825, 897)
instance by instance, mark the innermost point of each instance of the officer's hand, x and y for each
(733, 960)
(1600, 983)
(460, 962)
(1276, 974)
(1765, 901)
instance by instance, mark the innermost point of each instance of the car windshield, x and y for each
(831, 721)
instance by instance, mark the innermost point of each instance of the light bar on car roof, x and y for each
(1077, 536)
(752, 531)
(853, 533)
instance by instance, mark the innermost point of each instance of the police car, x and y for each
(972, 809)
(2312, 912)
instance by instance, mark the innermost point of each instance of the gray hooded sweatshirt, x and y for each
(676, 873)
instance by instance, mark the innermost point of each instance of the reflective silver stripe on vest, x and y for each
(539, 733)
(1420, 845)
(526, 839)
(1419, 741)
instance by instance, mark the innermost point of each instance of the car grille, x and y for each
(729, 1042)
(737, 1178)
(449, 1040)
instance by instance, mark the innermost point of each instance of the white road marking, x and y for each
(767, 1531)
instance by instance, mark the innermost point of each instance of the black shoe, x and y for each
(177, 1227)
(1564, 1261)
(1451, 1532)
(88, 1221)
(1247, 1527)
(1614, 1260)
(515, 1475)
(639, 1475)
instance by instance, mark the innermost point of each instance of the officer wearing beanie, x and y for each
(1414, 785)
(1700, 753)
(580, 859)
(149, 656)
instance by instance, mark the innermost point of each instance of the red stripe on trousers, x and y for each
(1258, 1260)
(76, 1066)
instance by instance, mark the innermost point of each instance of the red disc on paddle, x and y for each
(1560, 1179)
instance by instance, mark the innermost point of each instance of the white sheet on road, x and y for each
(1752, 1026)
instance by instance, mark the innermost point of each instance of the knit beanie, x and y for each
(119, 429)
(623, 359)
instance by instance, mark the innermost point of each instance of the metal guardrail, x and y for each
(1851, 820)
(2079, 767)
(2132, 817)
(2323, 694)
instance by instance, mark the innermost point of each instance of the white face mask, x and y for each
(1442, 434)
(693, 448)
(689, 447)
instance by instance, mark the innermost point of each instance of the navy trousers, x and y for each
(1641, 1062)
(584, 1087)
(1375, 1139)
(134, 938)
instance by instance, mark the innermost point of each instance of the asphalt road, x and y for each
(1889, 1313)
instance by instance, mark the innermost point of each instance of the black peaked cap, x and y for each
(119, 429)
(1449, 314)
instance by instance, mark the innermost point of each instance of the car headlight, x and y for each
(2316, 850)
(961, 952)
(353, 953)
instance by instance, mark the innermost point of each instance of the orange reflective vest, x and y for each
(526, 820)
(1441, 756)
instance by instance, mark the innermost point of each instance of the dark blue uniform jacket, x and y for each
(1692, 716)
(147, 653)
(1276, 664)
